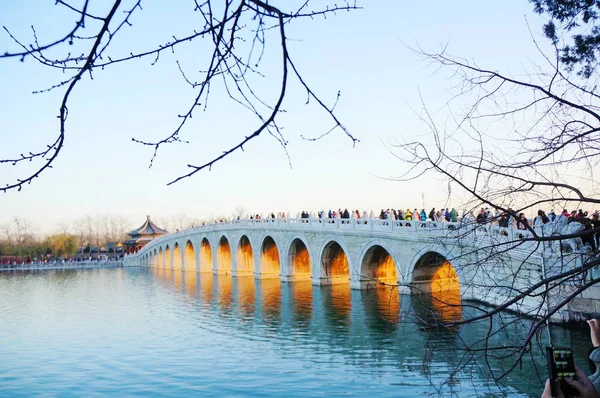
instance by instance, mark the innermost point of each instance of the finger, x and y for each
(557, 390)
(548, 390)
(582, 378)
(577, 385)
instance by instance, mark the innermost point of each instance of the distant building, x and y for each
(144, 234)
(114, 247)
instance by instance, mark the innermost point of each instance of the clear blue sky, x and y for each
(361, 54)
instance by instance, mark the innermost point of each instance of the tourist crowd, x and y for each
(506, 219)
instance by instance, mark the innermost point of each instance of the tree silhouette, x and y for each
(578, 18)
(237, 31)
(514, 145)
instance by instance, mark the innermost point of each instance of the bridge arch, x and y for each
(298, 260)
(189, 256)
(160, 260)
(377, 263)
(224, 263)
(436, 278)
(206, 257)
(168, 257)
(177, 257)
(244, 257)
(334, 262)
(270, 262)
(427, 260)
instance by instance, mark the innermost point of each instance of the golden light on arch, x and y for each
(224, 264)
(168, 258)
(436, 277)
(269, 259)
(378, 265)
(189, 257)
(335, 263)
(206, 260)
(445, 278)
(244, 257)
(177, 257)
(160, 260)
(299, 264)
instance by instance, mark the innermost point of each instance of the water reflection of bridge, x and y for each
(330, 319)
(265, 298)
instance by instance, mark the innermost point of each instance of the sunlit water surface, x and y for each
(123, 332)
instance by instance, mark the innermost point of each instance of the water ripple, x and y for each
(127, 332)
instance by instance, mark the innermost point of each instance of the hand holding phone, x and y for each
(561, 367)
(582, 384)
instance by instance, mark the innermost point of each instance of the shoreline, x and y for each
(48, 267)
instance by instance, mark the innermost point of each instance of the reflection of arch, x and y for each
(388, 304)
(189, 257)
(224, 256)
(337, 301)
(168, 258)
(206, 260)
(225, 292)
(334, 264)
(302, 301)
(244, 257)
(437, 308)
(269, 259)
(177, 257)
(436, 279)
(298, 261)
(270, 292)
(246, 290)
(206, 288)
(378, 265)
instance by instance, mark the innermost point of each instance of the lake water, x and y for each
(144, 332)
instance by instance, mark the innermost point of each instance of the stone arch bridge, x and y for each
(418, 256)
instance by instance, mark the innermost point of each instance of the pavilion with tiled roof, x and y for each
(142, 235)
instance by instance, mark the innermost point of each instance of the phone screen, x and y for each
(561, 366)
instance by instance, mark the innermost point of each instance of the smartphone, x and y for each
(560, 367)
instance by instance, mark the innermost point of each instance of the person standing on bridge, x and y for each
(522, 222)
(453, 215)
(432, 215)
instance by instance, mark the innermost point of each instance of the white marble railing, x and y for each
(363, 224)
(488, 233)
